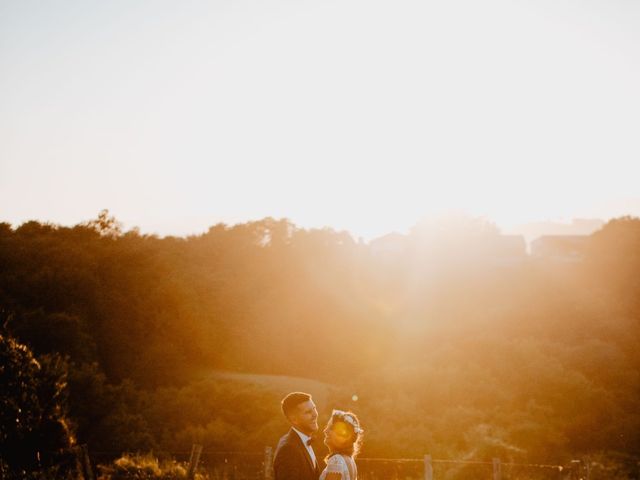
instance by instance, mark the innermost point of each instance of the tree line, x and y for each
(436, 348)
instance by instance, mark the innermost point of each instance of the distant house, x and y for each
(560, 247)
(578, 226)
(392, 243)
(499, 249)
(509, 249)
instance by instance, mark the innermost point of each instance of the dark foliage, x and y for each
(449, 351)
(35, 437)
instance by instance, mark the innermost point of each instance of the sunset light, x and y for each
(320, 240)
(365, 116)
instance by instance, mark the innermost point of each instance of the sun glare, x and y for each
(365, 116)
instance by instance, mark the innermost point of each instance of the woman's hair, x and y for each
(351, 420)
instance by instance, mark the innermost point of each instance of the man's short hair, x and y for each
(292, 400)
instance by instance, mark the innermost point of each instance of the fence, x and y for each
(428, 468)
(257, 466)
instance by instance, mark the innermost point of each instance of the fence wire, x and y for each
(242, 465)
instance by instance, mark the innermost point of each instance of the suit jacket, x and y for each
(292, 461)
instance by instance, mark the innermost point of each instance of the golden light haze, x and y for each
(452, 341)
(237, 130)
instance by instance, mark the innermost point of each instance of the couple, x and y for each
(295, 458)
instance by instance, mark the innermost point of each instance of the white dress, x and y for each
(338, 467)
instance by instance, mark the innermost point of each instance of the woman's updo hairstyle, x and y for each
(351, 420)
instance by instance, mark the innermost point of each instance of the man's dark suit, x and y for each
(292, 461)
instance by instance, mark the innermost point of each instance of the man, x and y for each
(294, 458)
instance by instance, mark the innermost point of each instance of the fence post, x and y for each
(428, 468)
(196, 450)
(87, 462)
(83, 462)
(268, 454)
(587, 469)
(497, 469)
(576, 473)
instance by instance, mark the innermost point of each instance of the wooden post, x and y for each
(575, 470)
(196, 450)
(428, 468)
(268, 459)
(87, 462)
(497, 470)
(84, 462)
(587, 469)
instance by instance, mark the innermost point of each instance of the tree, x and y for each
(106, 225)
(34, 430)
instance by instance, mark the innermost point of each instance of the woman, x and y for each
(343, 437)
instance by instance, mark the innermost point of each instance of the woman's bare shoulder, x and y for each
(337, 459)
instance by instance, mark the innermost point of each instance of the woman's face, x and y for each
(338, 435)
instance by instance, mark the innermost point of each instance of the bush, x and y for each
(142, 467)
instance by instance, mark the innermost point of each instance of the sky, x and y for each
(360, 115)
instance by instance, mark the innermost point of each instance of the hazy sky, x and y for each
(362, 115)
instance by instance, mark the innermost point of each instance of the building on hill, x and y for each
(392, 243)
(500, 249)
(509, 249)
(569, 248)
(577, 226)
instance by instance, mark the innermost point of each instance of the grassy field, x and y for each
(280, 384)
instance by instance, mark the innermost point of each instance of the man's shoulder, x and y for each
(286, 442)
(288, 456)
(287, 437)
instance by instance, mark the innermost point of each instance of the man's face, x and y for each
(305, 417)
